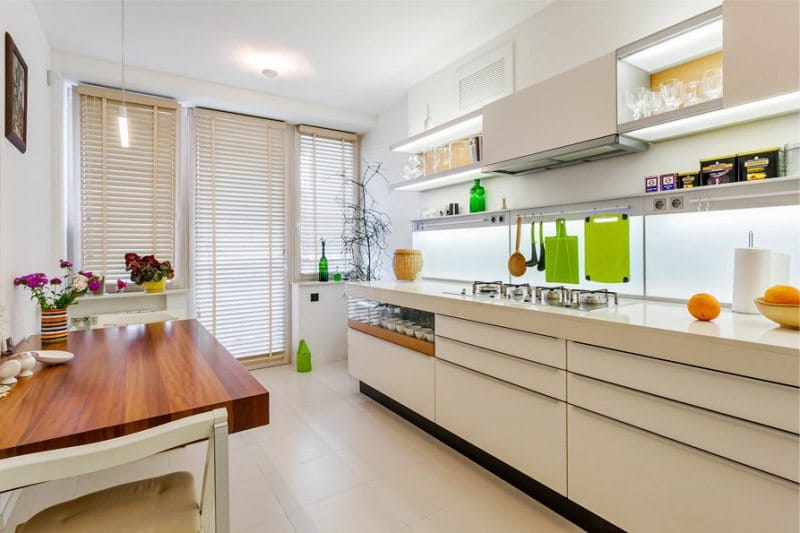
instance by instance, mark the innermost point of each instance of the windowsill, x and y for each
(312, 283)
(133, 294)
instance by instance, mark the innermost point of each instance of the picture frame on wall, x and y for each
(16, 96)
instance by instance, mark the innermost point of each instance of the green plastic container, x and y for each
(303, 357)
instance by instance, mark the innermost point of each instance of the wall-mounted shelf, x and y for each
(740, 195)
(450, 131)
(442, 179)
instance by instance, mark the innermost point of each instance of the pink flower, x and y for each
(65, 264)
(121, 284)
(93, 284)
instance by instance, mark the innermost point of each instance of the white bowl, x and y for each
(53, 357)
(419, 333)
(429, 337)
(410, 329)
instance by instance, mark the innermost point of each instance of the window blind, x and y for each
(127, 195)
(240, 282)
(327, 169)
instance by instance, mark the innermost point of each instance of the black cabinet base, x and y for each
(570, 510)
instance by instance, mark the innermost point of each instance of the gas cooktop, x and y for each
(543, 296)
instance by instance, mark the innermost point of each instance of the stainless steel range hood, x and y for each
(573, 154)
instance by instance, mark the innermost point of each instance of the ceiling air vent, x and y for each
(486, 79)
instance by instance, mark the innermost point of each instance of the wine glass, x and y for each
(693, 94)
(656, 103)
(673, 92)
(635, 102)
(712, 82)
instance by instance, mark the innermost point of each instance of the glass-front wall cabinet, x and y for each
(404, 326)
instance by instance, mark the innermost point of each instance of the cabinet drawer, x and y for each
(521, 428)
(402, 374)
(642, 482)
(534, 376)
(770, 450)
(751, 399)
(545, 350)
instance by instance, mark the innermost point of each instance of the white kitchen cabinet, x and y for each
(521, 428)
(539, 348)
(773, 451)
(402, 374)
(533, 376)
(761, 55)
(643, 482)
(572, 107)
(759, 401)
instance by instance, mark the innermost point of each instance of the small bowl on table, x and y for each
(786, 315)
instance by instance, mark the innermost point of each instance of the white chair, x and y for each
(165, 503)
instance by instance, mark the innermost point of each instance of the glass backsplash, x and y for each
(681, 254)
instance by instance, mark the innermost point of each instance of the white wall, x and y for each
(26, 224)
(562, 36)
(201, 93)
(402, 207)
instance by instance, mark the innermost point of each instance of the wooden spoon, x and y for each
(516, 263)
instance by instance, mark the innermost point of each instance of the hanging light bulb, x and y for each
(122, 118)
(122, 114)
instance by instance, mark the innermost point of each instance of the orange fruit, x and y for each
(782, 294)
(703, 306)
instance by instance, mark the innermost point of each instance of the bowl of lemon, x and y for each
(781, 304)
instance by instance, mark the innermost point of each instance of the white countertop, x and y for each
(657, 317)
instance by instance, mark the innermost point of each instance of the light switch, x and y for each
(314, 296)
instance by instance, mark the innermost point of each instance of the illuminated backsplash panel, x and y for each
(681, 253)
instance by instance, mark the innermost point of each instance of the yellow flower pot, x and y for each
(154, 286)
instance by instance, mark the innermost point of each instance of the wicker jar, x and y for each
(407, 264)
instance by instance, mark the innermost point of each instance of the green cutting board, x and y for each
(562, 256)
(607, 248)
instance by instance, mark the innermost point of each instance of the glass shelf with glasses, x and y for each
(672, 74)
(404, 326)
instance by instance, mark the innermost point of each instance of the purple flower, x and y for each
(65, 264)
(18, 282)
(55, 281)
(85, 274)
(121, 284)
(93, 284)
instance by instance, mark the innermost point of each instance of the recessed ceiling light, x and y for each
(270, 73)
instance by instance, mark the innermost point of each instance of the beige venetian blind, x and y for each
(127, 195)
(240, 279)
(327, 169)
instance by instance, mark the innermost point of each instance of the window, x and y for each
(327, 168)
(239, 263)
(127, 195)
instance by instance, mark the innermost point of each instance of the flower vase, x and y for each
(55, 325)
(154, 286)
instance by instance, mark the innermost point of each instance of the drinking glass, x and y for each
(693, 94)
(656, 103)
(635, 102)
(673, 92)
(712, 82)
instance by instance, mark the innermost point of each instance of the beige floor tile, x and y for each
(334, 460)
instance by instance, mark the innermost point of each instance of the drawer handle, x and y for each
(493, 352)
(504, 382)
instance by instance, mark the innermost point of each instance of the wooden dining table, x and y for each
(123, 380)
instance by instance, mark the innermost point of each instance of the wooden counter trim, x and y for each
(401, 339)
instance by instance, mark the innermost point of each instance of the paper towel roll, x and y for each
(752, 275)
(780, 268)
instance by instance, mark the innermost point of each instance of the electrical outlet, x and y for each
(314, 296)
(659, 204)
(676, 202)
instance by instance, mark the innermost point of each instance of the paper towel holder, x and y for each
(750, 239)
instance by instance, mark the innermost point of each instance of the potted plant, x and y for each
(148, 271)
(55, 295)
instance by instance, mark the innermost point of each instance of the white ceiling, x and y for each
(359, 56)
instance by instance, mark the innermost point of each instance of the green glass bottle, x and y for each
(323, 264)
(477, 198)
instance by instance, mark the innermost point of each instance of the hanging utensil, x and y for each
(562, 253)
(540, 266)
(516, 263)
(533, 261)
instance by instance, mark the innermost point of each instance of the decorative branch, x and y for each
(366, 229)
